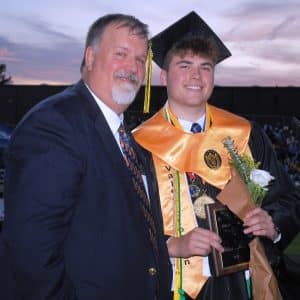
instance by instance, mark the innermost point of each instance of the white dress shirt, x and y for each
(114, 121)
(112, 118)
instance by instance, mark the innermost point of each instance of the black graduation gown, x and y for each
(283, 204)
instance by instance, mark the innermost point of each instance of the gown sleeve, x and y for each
(283, 204)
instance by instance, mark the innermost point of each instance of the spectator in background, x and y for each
(286, 147)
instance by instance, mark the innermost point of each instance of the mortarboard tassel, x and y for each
(148, 80)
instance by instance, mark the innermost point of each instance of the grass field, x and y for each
(294, 247)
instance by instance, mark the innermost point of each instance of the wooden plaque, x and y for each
(230, 228)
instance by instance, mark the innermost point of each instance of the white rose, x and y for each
(261, 177)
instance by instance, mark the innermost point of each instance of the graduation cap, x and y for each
(190, 26)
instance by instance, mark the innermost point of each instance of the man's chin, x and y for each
(124, 99)
(124, 95)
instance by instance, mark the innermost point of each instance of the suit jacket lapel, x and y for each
(111, 147)
(108, 141)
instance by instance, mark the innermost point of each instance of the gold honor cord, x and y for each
(178, 291)
(148, 80)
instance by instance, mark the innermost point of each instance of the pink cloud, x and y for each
(8, 56)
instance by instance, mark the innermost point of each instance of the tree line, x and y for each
(4, 79)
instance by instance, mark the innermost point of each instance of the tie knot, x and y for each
(122, 132)
(196, 128)
(121, 128)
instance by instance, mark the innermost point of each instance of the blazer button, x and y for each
(152, 271)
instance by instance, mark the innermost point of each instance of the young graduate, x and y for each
(192, 166)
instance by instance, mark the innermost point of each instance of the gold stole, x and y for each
(192, 277)
(173, 149)
(185, 152)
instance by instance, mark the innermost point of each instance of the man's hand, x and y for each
(260, 223)
(197, 242)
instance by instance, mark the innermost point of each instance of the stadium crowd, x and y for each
(287, 148)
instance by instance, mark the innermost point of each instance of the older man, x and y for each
(82, 220)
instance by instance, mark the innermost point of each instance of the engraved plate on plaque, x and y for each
(230, 228)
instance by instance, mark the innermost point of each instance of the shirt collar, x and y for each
(112, 118)
(186, 125)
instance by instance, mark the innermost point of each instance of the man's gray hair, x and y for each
(98, 27)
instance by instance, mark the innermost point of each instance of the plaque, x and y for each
(230, 228)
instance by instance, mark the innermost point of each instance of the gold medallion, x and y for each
(212, 159)
(199, 205)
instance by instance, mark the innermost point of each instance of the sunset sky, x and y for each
(41, 42)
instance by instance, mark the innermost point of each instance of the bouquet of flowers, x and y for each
(255, 179)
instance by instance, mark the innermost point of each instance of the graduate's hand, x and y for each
(260, 223)
(197, 242)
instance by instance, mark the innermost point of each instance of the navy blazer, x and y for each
(73, 227)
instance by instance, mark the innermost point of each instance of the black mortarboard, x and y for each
(189, 26)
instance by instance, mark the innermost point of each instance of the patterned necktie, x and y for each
(132, 163)
(133, 166)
